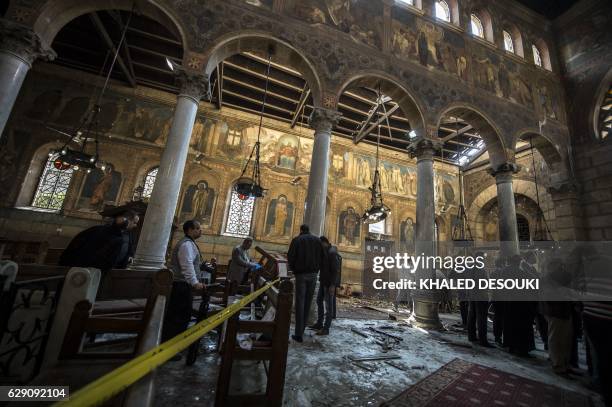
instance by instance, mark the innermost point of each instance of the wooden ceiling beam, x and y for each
(95, 19)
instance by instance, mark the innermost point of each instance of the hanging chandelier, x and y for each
(75, 159)
(378, 211)
(250, 187)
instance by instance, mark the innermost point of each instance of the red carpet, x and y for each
(461, 383)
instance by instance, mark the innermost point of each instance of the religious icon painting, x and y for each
(198, 203)
(101, 188)
(279, 217)
(349, 228)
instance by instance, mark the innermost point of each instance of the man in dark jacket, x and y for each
(305, 258)
(104, 247)
(327, 288)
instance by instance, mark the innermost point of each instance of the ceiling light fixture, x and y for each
(250, 187)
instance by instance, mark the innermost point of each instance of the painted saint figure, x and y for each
(200, 199)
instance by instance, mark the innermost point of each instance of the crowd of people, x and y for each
(563, 326)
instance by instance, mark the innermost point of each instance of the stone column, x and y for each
(508, 233)
(151, 251)
(425, 302)
(19, 47)
(568, 211)
(322, 121)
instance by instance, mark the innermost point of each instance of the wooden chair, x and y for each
(273, 351)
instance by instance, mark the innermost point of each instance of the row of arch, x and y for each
(56, 13)
(481, 26)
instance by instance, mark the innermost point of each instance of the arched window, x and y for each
(477, 28)
(537, 56)
(149, 182)
(541, 55)
(239, 215)
(508, 42)
(605, 115)
(443, 11)
(52, 186)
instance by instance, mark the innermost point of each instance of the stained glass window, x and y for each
(605, 116)
(508, 42)
(52, 186)
(537, 56)
(477, 28)
(149, 182)
(239, 216)
(443, 11)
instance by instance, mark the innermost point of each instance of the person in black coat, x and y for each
(305, 257)
(327, 287)
(103, 247)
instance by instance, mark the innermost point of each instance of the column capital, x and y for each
(192, 84)
(424, 148)
(23, 42)
(323, 120)
(504, 172)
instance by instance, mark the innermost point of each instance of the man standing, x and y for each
(327, 287)
(185, 262)
(241, 262)
(104, 246)
(305, 258)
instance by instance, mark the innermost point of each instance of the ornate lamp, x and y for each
(250, 187)
(378, 211)
(72, 158)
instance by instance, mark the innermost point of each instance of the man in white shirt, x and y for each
(185, 264)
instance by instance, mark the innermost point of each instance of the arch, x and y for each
(55, 14)
(487, 197)
(517, 39)
(486, 25)
(260, 42)
(390, 86)
(539, 46)
(546, 148)
(499, 153)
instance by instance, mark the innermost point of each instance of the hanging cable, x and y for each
(535, 180)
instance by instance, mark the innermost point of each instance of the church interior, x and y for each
(387, 126)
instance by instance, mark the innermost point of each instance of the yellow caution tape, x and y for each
(124, 376)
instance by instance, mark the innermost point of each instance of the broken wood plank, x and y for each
(397, 338)
(373, 358)
(395, 365)
(360, 333)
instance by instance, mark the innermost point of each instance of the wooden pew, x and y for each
(79, 366)
(22, 252)
(273, 351)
